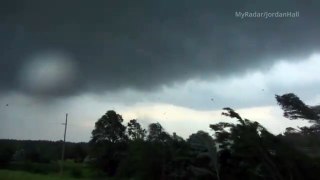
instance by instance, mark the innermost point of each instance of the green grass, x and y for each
(72, 171)
(21, 175)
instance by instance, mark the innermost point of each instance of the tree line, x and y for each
(242, 149)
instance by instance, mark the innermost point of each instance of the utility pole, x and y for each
(64, 143)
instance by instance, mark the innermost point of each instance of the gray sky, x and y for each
(175, 62)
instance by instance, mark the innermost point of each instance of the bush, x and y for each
(40, 168)
(76, 173)
(5, 156)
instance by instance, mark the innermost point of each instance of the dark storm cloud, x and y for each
(143, 44)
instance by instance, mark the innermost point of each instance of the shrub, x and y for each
(76, 173)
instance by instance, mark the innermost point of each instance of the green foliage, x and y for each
(76, 173)
(206, 154)
(41, 151)
(254, 153)
(144, 161)
(109, 128)
(6, 154)
(78, 152)
(34, 167)
(135, 131)
(107, 156)
(243, 149)
(157, 133)
(109, 142)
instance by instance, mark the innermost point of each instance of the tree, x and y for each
(109, 142)
(201, 141)
(157, 133)
(312, 130)
(294, 108)
(205, 147)
(244, 149)
(290, 130)
(6, 154)
(109, 128)
(135, 131)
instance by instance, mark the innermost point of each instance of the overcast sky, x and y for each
(174, 62)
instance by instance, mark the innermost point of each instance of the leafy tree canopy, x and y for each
(157, 133)
(135, 131)
(109, 128)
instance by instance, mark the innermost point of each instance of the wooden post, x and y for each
(64, 143)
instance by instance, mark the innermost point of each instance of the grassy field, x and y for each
(21, 175)
(50, 171)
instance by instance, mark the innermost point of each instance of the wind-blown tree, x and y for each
(109, 128)
(294, 108)
(135, 131)
(312, 130)
(243, 147)
(250, 151)
(305, 139)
